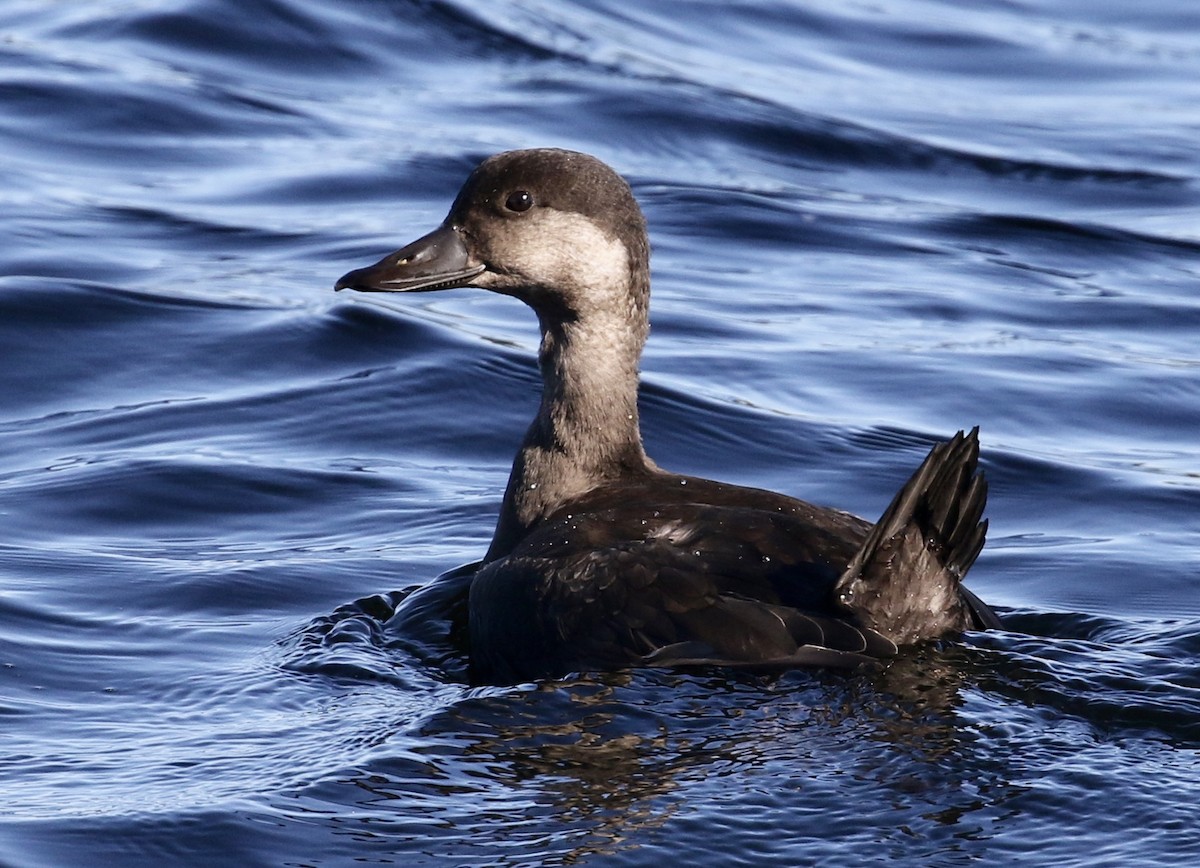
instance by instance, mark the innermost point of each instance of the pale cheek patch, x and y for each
(570, 253)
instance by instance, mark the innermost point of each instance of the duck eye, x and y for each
(519, 201)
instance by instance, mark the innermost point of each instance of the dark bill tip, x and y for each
(439, 260)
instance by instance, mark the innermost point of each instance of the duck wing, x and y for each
(582, 594)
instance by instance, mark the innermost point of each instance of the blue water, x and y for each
(873, 224)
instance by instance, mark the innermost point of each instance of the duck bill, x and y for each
(439, 260)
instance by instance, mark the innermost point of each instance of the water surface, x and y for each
(873, 224)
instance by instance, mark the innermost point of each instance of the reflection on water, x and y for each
(610, 759)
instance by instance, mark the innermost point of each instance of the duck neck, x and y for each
(586, 431)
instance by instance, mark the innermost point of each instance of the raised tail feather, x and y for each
(905, 581)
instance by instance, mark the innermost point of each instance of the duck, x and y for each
(603, 561)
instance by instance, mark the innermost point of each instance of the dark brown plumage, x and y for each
(601, 560)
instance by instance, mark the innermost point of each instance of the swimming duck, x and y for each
(600, 559)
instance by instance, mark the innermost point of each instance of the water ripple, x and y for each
(224, 491)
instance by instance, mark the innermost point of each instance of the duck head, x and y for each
(557, 229)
